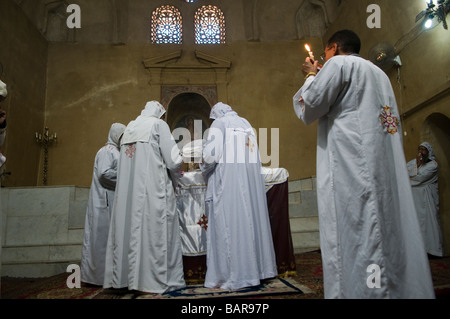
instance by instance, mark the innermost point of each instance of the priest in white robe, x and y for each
(369, 234)
(423, 172)
(144, 245)
(240, 250)
(98, 213)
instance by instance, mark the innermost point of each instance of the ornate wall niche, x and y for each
(208, 92)
(190, 110)
(188, 84)
(181, 72)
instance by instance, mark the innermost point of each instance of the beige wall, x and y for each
(98, 77)
(23, 54)
(91, 86)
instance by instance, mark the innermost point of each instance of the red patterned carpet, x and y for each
(309, 274)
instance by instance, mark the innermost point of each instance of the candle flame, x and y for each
(307, 48)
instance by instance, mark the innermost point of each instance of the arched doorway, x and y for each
(187, 108)
(436, 131)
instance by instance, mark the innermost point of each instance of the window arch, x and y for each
(209, 25)
(167, 25)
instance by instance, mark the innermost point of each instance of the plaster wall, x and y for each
(94, 76)
(89, 87)
(23, 54)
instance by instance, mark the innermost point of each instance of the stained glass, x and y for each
(166, 25)
(209, 25)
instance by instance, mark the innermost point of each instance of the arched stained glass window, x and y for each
(209, 25)
(167, 25)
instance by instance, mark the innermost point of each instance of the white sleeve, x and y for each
(107, 170)
(170, 152)
(213, 148)
(319, 93)
(425, 173)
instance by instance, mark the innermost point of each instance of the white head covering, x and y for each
(3, 90)
(115, 132)
(139, 130)
(219, 110)
(430, 150)
(153, 108)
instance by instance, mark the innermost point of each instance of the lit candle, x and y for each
(311, 55)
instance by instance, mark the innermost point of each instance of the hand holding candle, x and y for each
(311, 57)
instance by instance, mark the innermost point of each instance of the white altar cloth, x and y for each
(190, 195)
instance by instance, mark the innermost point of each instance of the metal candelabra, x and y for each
(45, 140)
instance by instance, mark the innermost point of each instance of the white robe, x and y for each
(424, 182)
(366, 211)
(240, 249)
(98, 215)
(144, 246)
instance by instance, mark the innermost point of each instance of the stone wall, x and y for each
(23, 55)
(43, 229)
